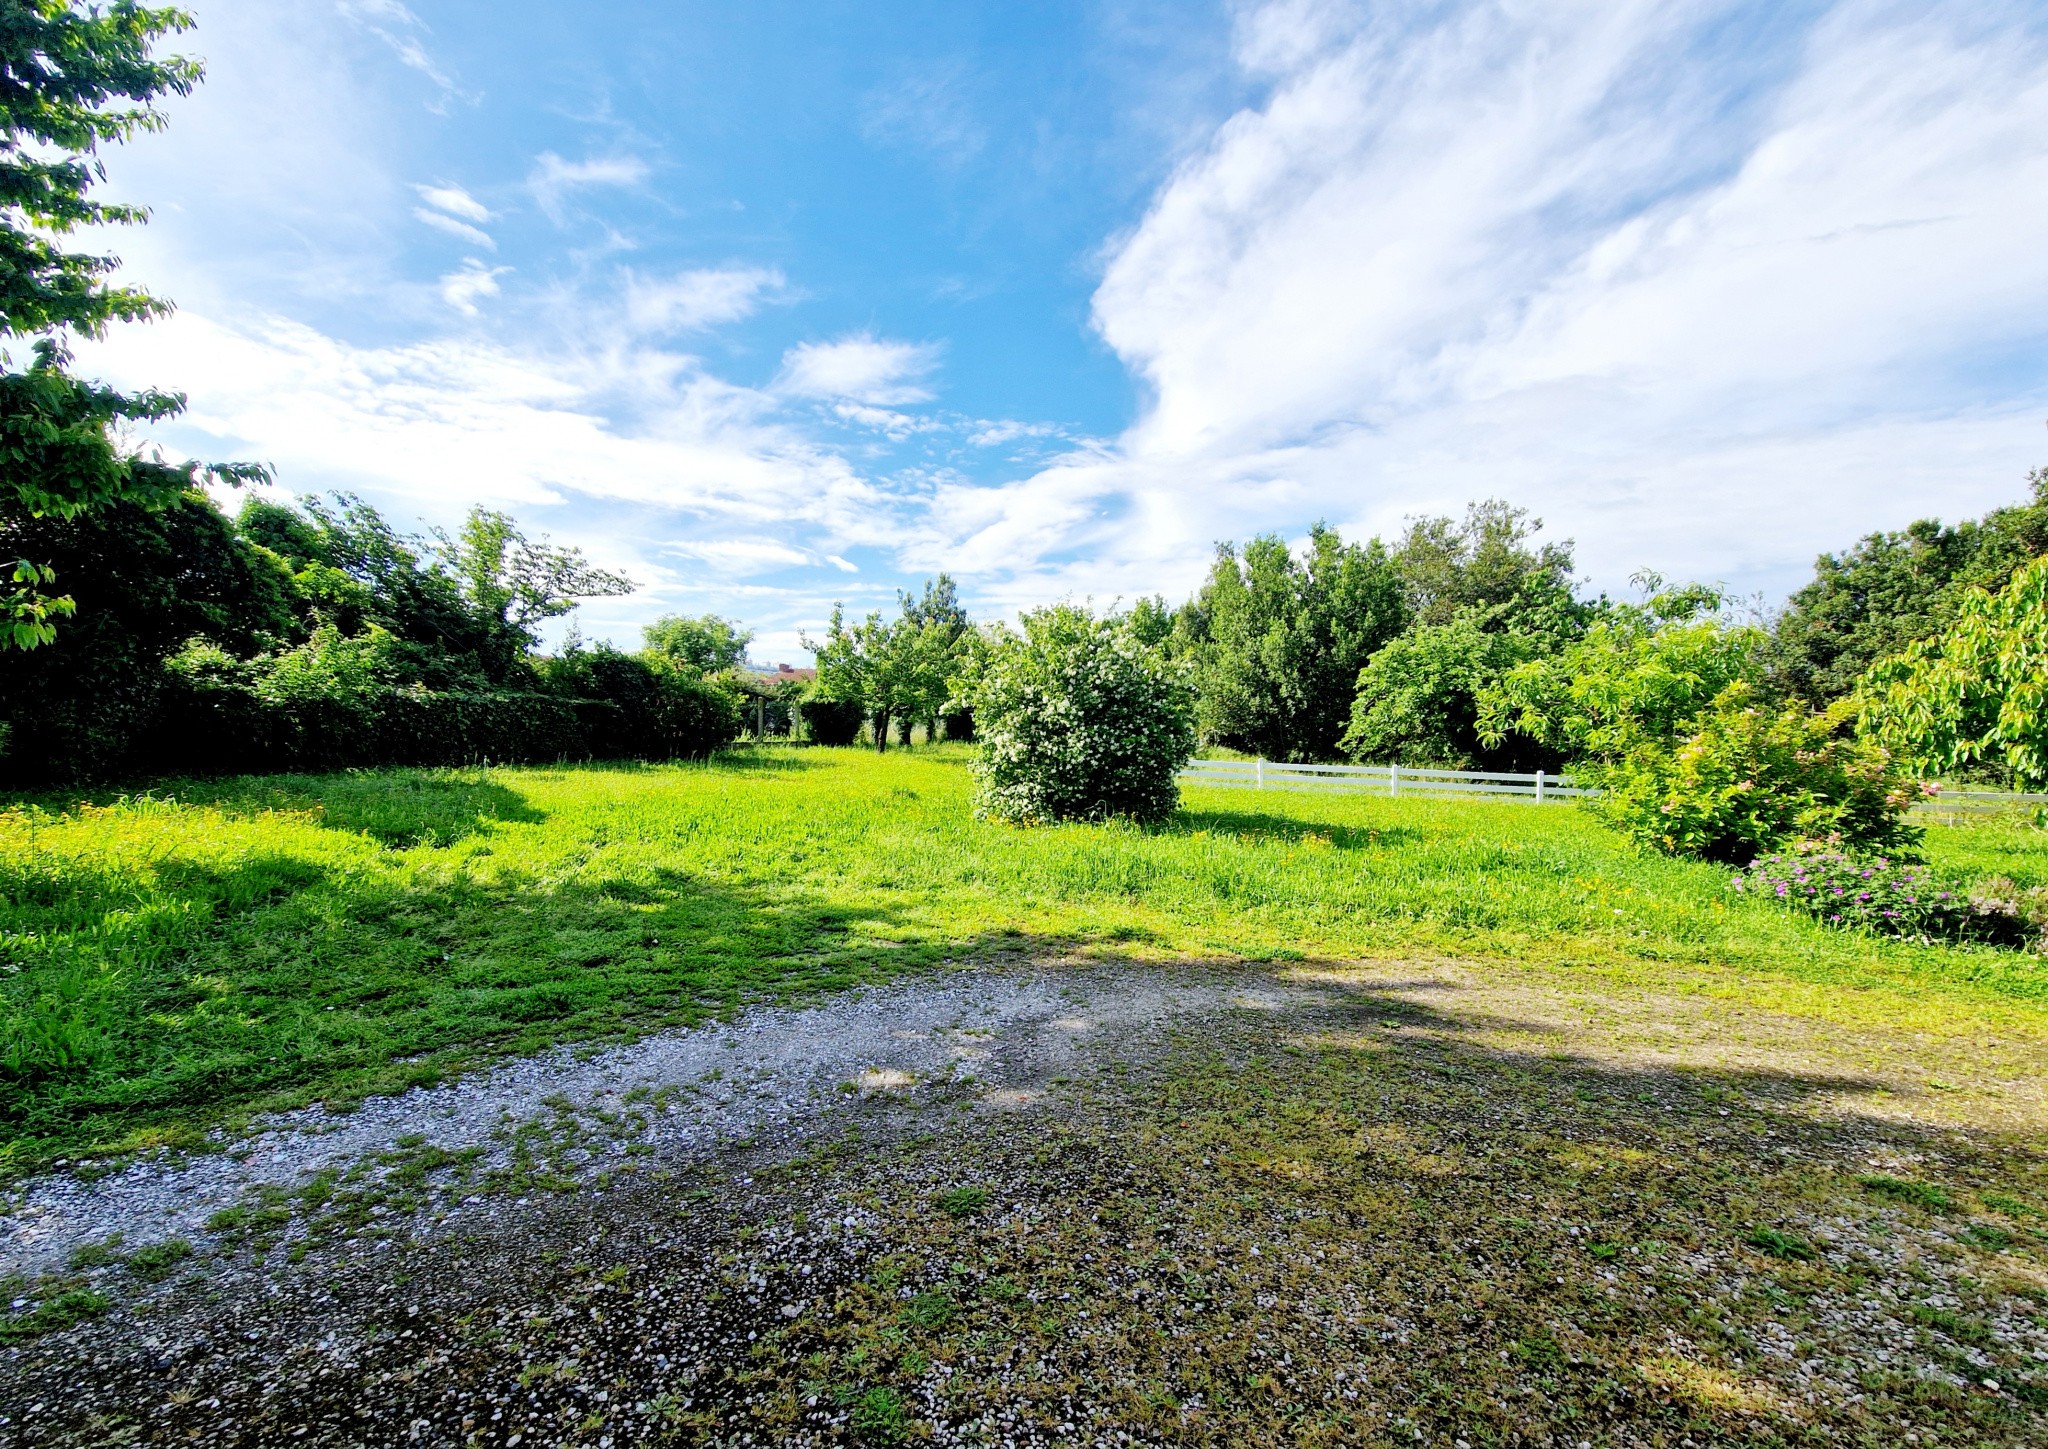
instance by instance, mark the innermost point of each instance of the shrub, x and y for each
(1897, 899)
(833, 721)
(1078, 719)
(1750, 778)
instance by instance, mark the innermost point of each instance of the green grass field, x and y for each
(177, 959)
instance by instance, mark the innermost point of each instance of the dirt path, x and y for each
(1074, 1203)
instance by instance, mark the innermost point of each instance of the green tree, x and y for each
(148, 579)
(73, 78)
(703, 642)
(512, 584)
(1640, 672)
(1278, 640)
(1418, 698)
(1487, 561)
(1975, 696)
(1079, 719)
(1892, 589)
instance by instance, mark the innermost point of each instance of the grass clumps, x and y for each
(1899, 1189)
(962, 1202)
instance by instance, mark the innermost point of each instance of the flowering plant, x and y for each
(1894, 898)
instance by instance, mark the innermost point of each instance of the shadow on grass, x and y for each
(1257, 825)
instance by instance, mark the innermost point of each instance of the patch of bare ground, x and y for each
(1340, 1204)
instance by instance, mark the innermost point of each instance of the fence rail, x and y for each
(1394, 780)
(1948, 807)
(1954, 806)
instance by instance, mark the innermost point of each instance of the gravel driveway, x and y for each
(1051, 1203)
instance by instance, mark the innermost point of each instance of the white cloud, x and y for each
(461, 288)
(454, 201)
(861, 368)
(385, 19)
(697, 299)
(841, 564)
(553, 178)
(1704, 316)
(473, 235)
(448, 422)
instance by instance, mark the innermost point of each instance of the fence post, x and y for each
(1539, 787)
(1259, 772)
(1394, 780)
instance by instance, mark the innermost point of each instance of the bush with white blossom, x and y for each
(1078, 718)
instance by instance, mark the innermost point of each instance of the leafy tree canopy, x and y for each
(1487, 561)
(1640, 672)
(1975, 695)
(73, 77)
(1279, 638)
(705, 643)
(1891, 589)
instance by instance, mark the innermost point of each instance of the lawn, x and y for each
(178, 959)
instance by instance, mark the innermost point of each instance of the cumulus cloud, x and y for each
(691, 300)
(1709, 307)
(860, 368)
(553, 179)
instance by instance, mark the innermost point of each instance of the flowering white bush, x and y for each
(1078, 720)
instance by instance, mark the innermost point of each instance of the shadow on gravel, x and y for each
(1315, 1215)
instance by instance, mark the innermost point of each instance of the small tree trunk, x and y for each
(881, 726)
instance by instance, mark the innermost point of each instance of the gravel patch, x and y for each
(1009, 1029)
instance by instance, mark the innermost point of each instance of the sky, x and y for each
(777, 305)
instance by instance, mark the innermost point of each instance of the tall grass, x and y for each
(168, 959)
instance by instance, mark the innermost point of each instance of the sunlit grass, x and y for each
(219, 947)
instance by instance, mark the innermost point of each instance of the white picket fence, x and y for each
(1949, 807)
(1953, 807)
(1395, 780)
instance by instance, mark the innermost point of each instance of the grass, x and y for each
(174, 960)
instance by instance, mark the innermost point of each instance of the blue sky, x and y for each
(777, 304)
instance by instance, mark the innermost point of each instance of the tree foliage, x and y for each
(1418, 698)
(1749, 777)
(1893, 589)
(1640, 673)
(1977, 694)
(1278, 640)
(73, 78)
(1079, 719)
(704, 642)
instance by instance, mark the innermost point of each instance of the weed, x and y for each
(1954, 1325)
(1899, 1189)
(1781, 1245)
(157, 1260)
(962, 1202)
(930, 1310)
(58, 1311)
(97, 1255)
(879, 1416)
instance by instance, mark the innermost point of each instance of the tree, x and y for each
(1640, 672)
(512, 584)
(1418, 698)
(1079, 719)
(705, 642)
(1892, 589)
(1279, 638)
(1976, 695)
(64, 70)
(1485, 562)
